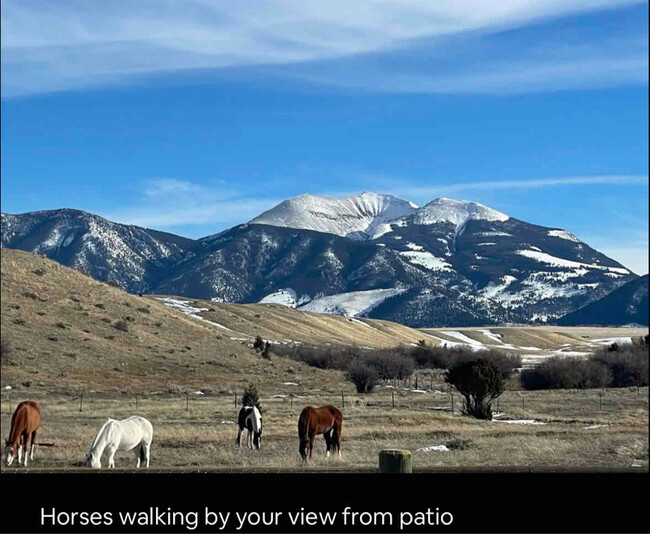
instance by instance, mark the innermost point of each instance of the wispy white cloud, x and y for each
(420, 192)
(67, 45)
(167, 203)
(164, 187)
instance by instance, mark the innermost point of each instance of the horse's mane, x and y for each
(99, 433)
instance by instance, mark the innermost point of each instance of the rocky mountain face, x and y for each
(447, 263)
(134, 257)
(626, 305)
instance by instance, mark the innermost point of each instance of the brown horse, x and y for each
(24, 426)
(326, 420)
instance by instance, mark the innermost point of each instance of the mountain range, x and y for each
(449, 262)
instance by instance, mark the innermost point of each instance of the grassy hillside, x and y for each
(66, 332)
(282, 324)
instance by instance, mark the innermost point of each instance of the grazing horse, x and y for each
(250, 419)
(326, 420)
(24, 426)
(134, 433)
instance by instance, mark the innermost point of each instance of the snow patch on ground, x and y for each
(351, 304)
(285, 297)
(610, 340)
(427, 260)
(518, 421)
(462, 337)
(184, 307)
(492, 336)
(563, 234)
(181, 305)
(543, 257)
(434, 448)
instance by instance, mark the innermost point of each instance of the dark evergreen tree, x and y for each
(259, 343)
(250, 397)
(480, 382)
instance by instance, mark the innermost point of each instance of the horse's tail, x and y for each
(303, 424)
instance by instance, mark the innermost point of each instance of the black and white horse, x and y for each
(250, 419)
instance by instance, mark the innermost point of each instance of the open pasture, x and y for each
(572, 430)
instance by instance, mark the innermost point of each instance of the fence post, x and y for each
(416, 381)
(452, 402)
(393, 395)
(81, 402)
(187, 403)
(395, 461)
(291, 397)
(342, 400)
(523, 404)
(235, 399)
(136, 401)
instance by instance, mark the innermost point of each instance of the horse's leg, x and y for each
(137, 452)
(20, 450)
(312, 437)
(147, 450)
(111, 457)
(239, 438)
(26, 446)
(328, 441)
(336, 438)
(31, 452)
(249, 439)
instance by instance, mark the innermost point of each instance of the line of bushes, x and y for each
(613, 366)
(366, 367)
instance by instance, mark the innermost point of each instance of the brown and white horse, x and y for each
(24, 426)
(326, 420)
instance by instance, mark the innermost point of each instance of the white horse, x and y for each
(134, 433)
(250, 419)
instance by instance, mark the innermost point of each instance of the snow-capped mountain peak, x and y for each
(358, 217)
(457, 212)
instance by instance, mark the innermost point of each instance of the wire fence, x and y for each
(433, 398)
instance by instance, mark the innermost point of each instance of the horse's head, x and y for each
(92, 461)
(10, 452)
(257, 439)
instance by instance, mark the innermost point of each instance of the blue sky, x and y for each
(194, 116)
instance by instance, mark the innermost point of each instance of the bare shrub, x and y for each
(362, 376)
(628, 364)
(567, 373)
(459, 444)
(122, 325)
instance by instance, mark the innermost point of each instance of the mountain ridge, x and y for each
(447, 262)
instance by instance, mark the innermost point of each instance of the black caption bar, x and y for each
(226, 502)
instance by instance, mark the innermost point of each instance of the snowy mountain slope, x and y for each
(454, 262)
(357, 217)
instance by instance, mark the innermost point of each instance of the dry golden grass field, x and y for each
(578, 432)
(68, 335)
